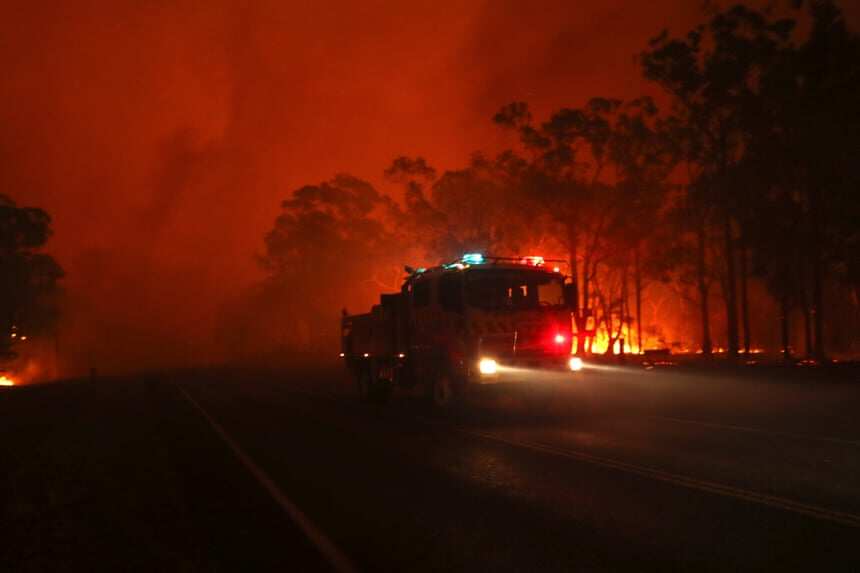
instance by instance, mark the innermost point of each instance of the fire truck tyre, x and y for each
(443, 390)
(380, 392)
(363, 383)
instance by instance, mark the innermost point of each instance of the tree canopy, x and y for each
(744, 186)
(28, 277)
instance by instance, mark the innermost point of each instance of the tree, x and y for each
(643, 151)
(479, 208)
(28, 277)
(333, 244)
(597, 172)
(802, 153)
(823, 108)
(710, 75)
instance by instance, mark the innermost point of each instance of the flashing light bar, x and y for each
(480, 258)
(469, 259)
(532, 261)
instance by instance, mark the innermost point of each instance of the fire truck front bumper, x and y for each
(514, 369)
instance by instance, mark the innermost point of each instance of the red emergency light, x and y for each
(532, 260)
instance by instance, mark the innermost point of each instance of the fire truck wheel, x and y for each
(443, 390)
(363, 384)
(380, 392)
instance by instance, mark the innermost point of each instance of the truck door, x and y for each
(451, 316)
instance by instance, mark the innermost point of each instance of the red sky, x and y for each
(162, 135)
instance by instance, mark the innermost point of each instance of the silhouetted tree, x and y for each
(28, 277)
(644, 154)
(478, 208)
(762, 148)
(801, 157)
(710, 74)
(597, 171)
(333, 243)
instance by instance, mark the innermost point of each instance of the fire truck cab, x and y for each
(476, 320)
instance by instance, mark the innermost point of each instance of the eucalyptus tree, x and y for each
(710, 74)
(644, 155)
(28, 277)
(822, 122)
(332, 243)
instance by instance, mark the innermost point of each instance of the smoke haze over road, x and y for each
(162, 136)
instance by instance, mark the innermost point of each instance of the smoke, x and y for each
(162, 136)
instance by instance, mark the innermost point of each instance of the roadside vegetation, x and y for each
(735, 198)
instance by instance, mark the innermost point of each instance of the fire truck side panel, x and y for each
(441, 325)
(438, 342)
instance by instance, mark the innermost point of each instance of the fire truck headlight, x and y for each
(488, 366)
(575, 363)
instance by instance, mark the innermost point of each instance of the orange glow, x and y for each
(600, 342)
(6, 381)
(160, 266)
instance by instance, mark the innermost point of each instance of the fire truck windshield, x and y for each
(513, 289)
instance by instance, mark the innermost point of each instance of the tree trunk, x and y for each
(586, 302)
(572, 243)
(703, 291)
(731, 288)
(574, 275)
(817, 307)
(589, 339)
(807, 323)
(638, 287)
(745, 315)
(817, 272)
(610, 345)
(589, 302)
(784, 322)
(625, 310)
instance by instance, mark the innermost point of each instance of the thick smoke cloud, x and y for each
(162, 136)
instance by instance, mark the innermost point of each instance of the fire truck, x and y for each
(477, 320)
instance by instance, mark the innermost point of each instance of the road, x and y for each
(616, 469)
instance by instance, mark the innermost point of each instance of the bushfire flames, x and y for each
(600, 343)
(6, 381)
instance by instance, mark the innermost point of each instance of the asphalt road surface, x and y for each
(613, 469)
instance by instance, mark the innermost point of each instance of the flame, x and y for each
(6, 381)
(600, 342)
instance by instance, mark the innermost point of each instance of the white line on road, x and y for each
(751, 430)
(842, 518)
(324, 545)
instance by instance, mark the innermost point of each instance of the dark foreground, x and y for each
(616, 470)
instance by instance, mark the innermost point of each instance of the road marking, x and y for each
(842, 518)
(324, 545)
(748, 429)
